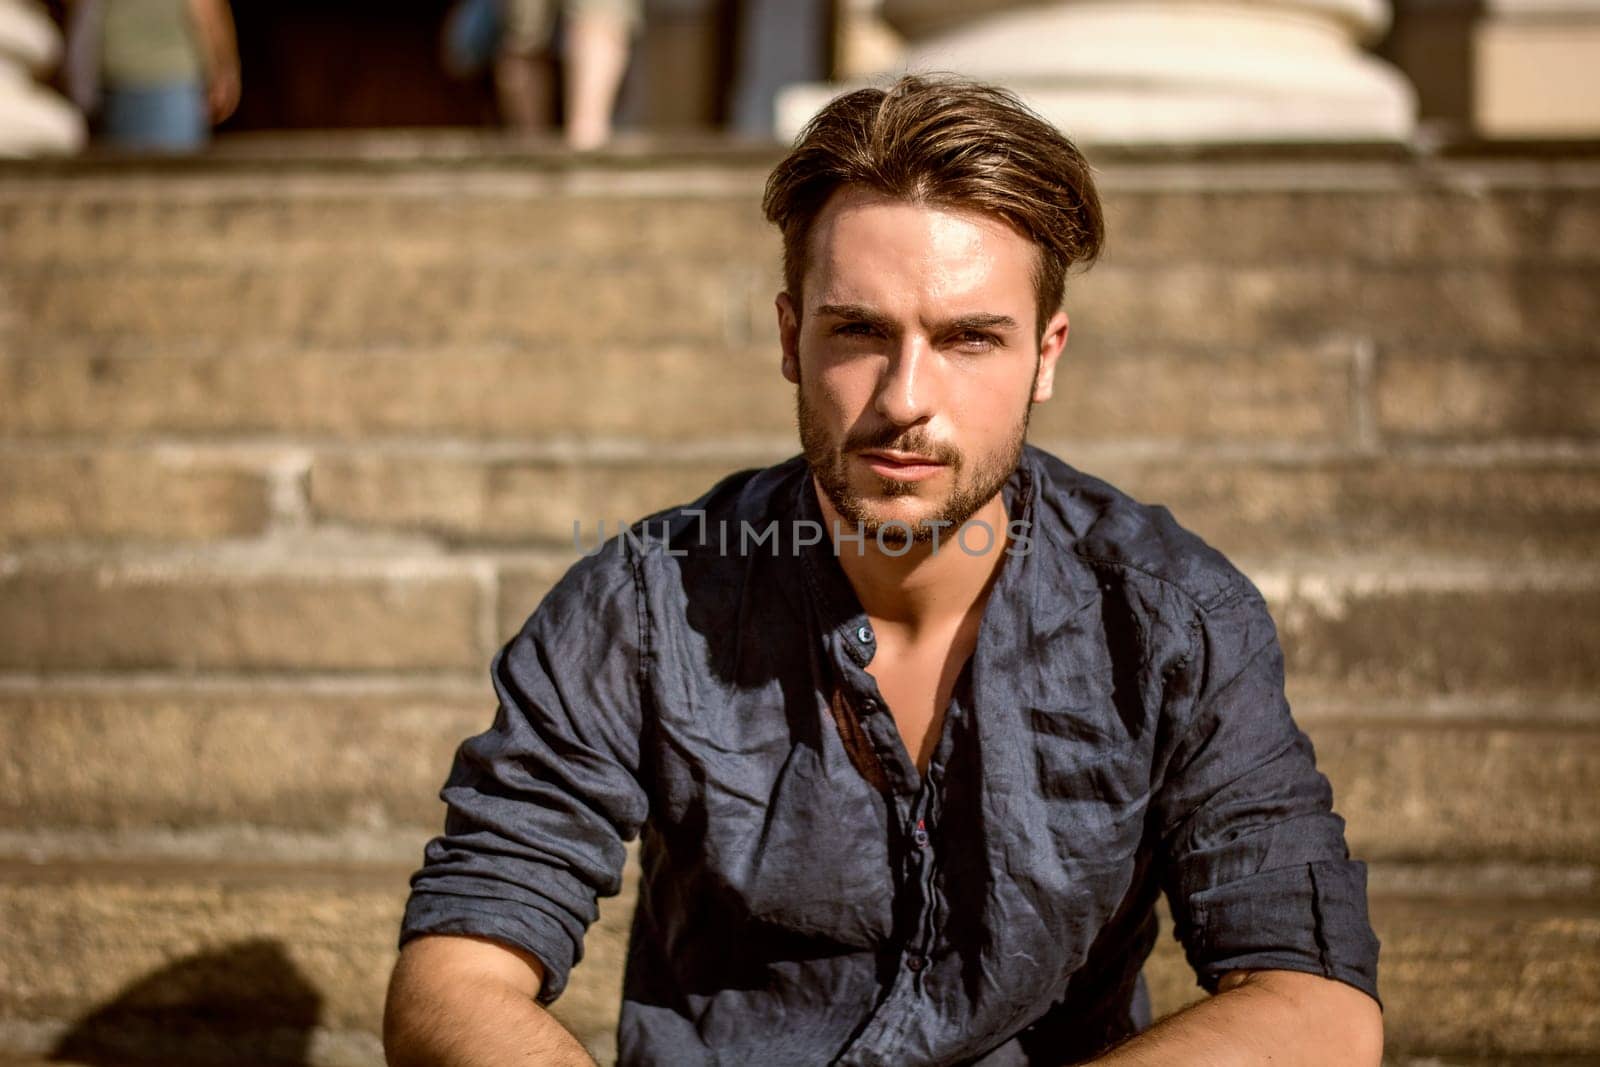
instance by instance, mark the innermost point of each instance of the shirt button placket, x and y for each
(916, 960)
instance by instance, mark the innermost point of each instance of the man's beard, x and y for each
(968, 494)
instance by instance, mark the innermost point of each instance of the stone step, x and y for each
(1351, 214)
(658, 393)
(256, 769)
(97, 493)
(274, 765)
(1417, 628)
(1481, 505)
(1504, 255)
(1434, 391)
(1437, 211)
(208, 953)
(369, 299)
(1116, 306)
(415, 216)
(411, 615)
(653, 392)
(1485, 978)
(373, 298)
(1298, 390)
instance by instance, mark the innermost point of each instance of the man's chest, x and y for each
(915, 683)
(761, 800)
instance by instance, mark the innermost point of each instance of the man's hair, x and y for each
(949, 142)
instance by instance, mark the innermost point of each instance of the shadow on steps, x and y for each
(244, 1004)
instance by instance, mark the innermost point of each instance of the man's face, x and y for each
(915, 359)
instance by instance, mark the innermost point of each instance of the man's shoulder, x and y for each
(1107, 528)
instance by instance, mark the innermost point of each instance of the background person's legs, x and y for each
(161, 118)
(521, 67)
(597, 38)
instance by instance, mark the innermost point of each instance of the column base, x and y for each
(33, 120)
(36, 122)
(1152, 116)
(1172, 71)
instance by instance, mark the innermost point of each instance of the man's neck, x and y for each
(922, 591)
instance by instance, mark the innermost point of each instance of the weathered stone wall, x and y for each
(286, 451)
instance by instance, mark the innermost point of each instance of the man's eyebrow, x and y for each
(978, 321)
(975, 321)
(857, 313)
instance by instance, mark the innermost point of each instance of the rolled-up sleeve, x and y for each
(1258, 873)
(539, 805)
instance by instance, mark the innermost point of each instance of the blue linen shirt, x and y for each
(809, 897)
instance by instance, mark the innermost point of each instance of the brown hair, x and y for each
(947, 141)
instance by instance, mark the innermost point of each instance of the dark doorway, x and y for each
(315, 64)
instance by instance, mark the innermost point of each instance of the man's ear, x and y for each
(1051, 343)
(789, 336)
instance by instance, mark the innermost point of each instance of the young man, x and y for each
(916, 726)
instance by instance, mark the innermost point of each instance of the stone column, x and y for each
(33, 120)
(1165, 71)
(1537, 69)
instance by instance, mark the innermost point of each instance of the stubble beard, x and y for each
(969, 492)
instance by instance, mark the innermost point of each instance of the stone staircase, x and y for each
(288, 446)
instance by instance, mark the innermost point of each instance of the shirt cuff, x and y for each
(510, 922)
(1310, 917)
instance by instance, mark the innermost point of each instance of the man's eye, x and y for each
(854, 329)
(974, 340)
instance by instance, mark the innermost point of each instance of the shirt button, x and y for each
(920, 836)
(864, 635)
(915, 963)
(869, 706)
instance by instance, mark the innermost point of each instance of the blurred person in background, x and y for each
(780, 43)
(518, 35)
(155, 74)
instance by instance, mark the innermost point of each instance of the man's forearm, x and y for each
(442, 1022)
(1273, 1017)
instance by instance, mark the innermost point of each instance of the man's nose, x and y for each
(907, 387)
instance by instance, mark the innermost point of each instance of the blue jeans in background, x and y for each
(162, 118)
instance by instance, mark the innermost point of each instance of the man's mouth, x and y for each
(900, 466)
